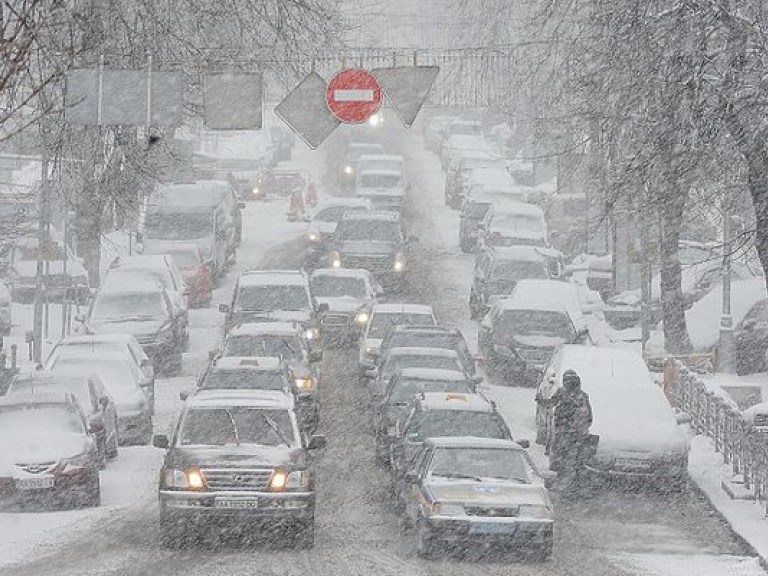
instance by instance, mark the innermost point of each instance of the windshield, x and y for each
(332, 214)
(519, 270)
(78, 387)
(405, 390)
(481, 463)
(370, 231)
(128, 305)
(441, 423)
(379, 180)
(244, 380)
(338, 286)
(416, 340)
(536, 323)
(237, 425)
(273, 297)
(520, 223)
(395, 363)
(43, 422)
(185, 225)
(384, 322)
(279, 346)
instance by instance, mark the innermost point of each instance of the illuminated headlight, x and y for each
(362, 317)
(534, 511)
(313, 236)
(399, 263)
(336, 260)
(255, 190)
(296, 480)
(305, 384)
(312, 333)
(446, 509)
(348, 170)
(370, 351)
(185, 479)
(376, 119)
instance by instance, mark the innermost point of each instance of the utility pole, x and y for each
(726, 357)
(42, 247)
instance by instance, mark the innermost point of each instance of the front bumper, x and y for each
(69, 488)
(202, 506)
(638, 468)
(516, 532)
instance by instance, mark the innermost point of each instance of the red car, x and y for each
(50, 456)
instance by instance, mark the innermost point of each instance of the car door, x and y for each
(414, 476)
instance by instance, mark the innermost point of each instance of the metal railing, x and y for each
(743, 447)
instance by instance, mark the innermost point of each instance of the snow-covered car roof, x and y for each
(272, 278)
(516, 253)
(143, 285)
(217, 398)
(458, 401)
(384, 157)
(259, 328)
(342, 273)
(478, 155)
(417, 351)
(394, 308)
(613, 366)
(380, 171)
(248, 363)
(471, 442)
(343, 202)
(379, 215)
(142, 261)
(200, 193)
(515, 207)
(432, 374)
(467, 142)
(490, 175)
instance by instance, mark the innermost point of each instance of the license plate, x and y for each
(40, 483)
(237, 503)
(492, 528)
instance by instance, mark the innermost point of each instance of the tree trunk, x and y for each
(757, 178)
(90, 208)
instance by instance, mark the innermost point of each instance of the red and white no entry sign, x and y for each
(353, 95)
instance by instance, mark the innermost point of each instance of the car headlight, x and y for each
(534, 511)
(191, 479)
(313, 236)
(255, 191)
(447, 509)
(370, 351)
(362, 317)
(348, 170)
(305, 384)
(284, 480)
(312, 333)
(399, 262)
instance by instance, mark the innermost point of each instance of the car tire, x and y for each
(426, 545)
(304, 538)
(466, 245)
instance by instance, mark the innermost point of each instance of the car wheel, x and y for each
(466, 245)
(426, 546)
(304, 538)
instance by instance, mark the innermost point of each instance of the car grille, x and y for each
(370, 263)
(336, 320)
(633, 464)
(506, 512)
(760, 420)
(145, 339)
(36, 467)
(234, 479)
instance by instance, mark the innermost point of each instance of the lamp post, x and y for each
(726, 350)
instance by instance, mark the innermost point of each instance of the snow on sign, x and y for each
(353, 95)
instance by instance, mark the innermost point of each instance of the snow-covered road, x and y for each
(620, 533)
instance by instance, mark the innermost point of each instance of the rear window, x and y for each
(442, 423)
(383, 322)
(244, 380)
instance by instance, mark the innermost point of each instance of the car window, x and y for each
(273, 297)
(234, 425)
(382, 323)
(485, 463)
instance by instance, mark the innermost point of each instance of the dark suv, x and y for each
(498, 270)
(374, 241)
(238, 457)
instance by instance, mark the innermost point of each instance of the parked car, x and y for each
(349, 294)
(275, 295)
(153, 268)
(286, 342)
(382, 319)
(190, 263)
(323, 222)
(239, 458)
(639, 433)
(392, 405)
(463, 490)
(430, 337)
(441, 415)
(513, 224)
(374, 241)
(95, 401)
(458, 172)
(50, 456)
(498, 270)
(6, 311)
(146, 312)
(103, 347)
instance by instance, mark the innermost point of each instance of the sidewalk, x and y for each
(747, 518)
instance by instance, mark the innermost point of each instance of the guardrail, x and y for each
(742, 445)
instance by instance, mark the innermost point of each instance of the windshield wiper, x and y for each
(512, 479)
(457, 475)
(235, 431)
(276, 429)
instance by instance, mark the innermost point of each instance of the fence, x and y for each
(742, 445)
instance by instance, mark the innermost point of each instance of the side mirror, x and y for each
(316, 442)
(477, 380)
(410, 477)
(224, 308)
(524, 444)
(183, 395)
(139, 237)
(160, 441)
(323, 308)
(241, 205)
(104, 401)
(316, 356)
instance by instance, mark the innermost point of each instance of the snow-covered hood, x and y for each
(539, 341)
(138, 328)
(635, 421)
(344, 304)
(38, 448)
(245, 455)
(381, 191)
(367, 248)
(205, 244)
(487, 493)
(128, 401)
(298, 316)
(324, 228)
(524, 233)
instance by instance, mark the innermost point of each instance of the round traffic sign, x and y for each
(353, 95)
